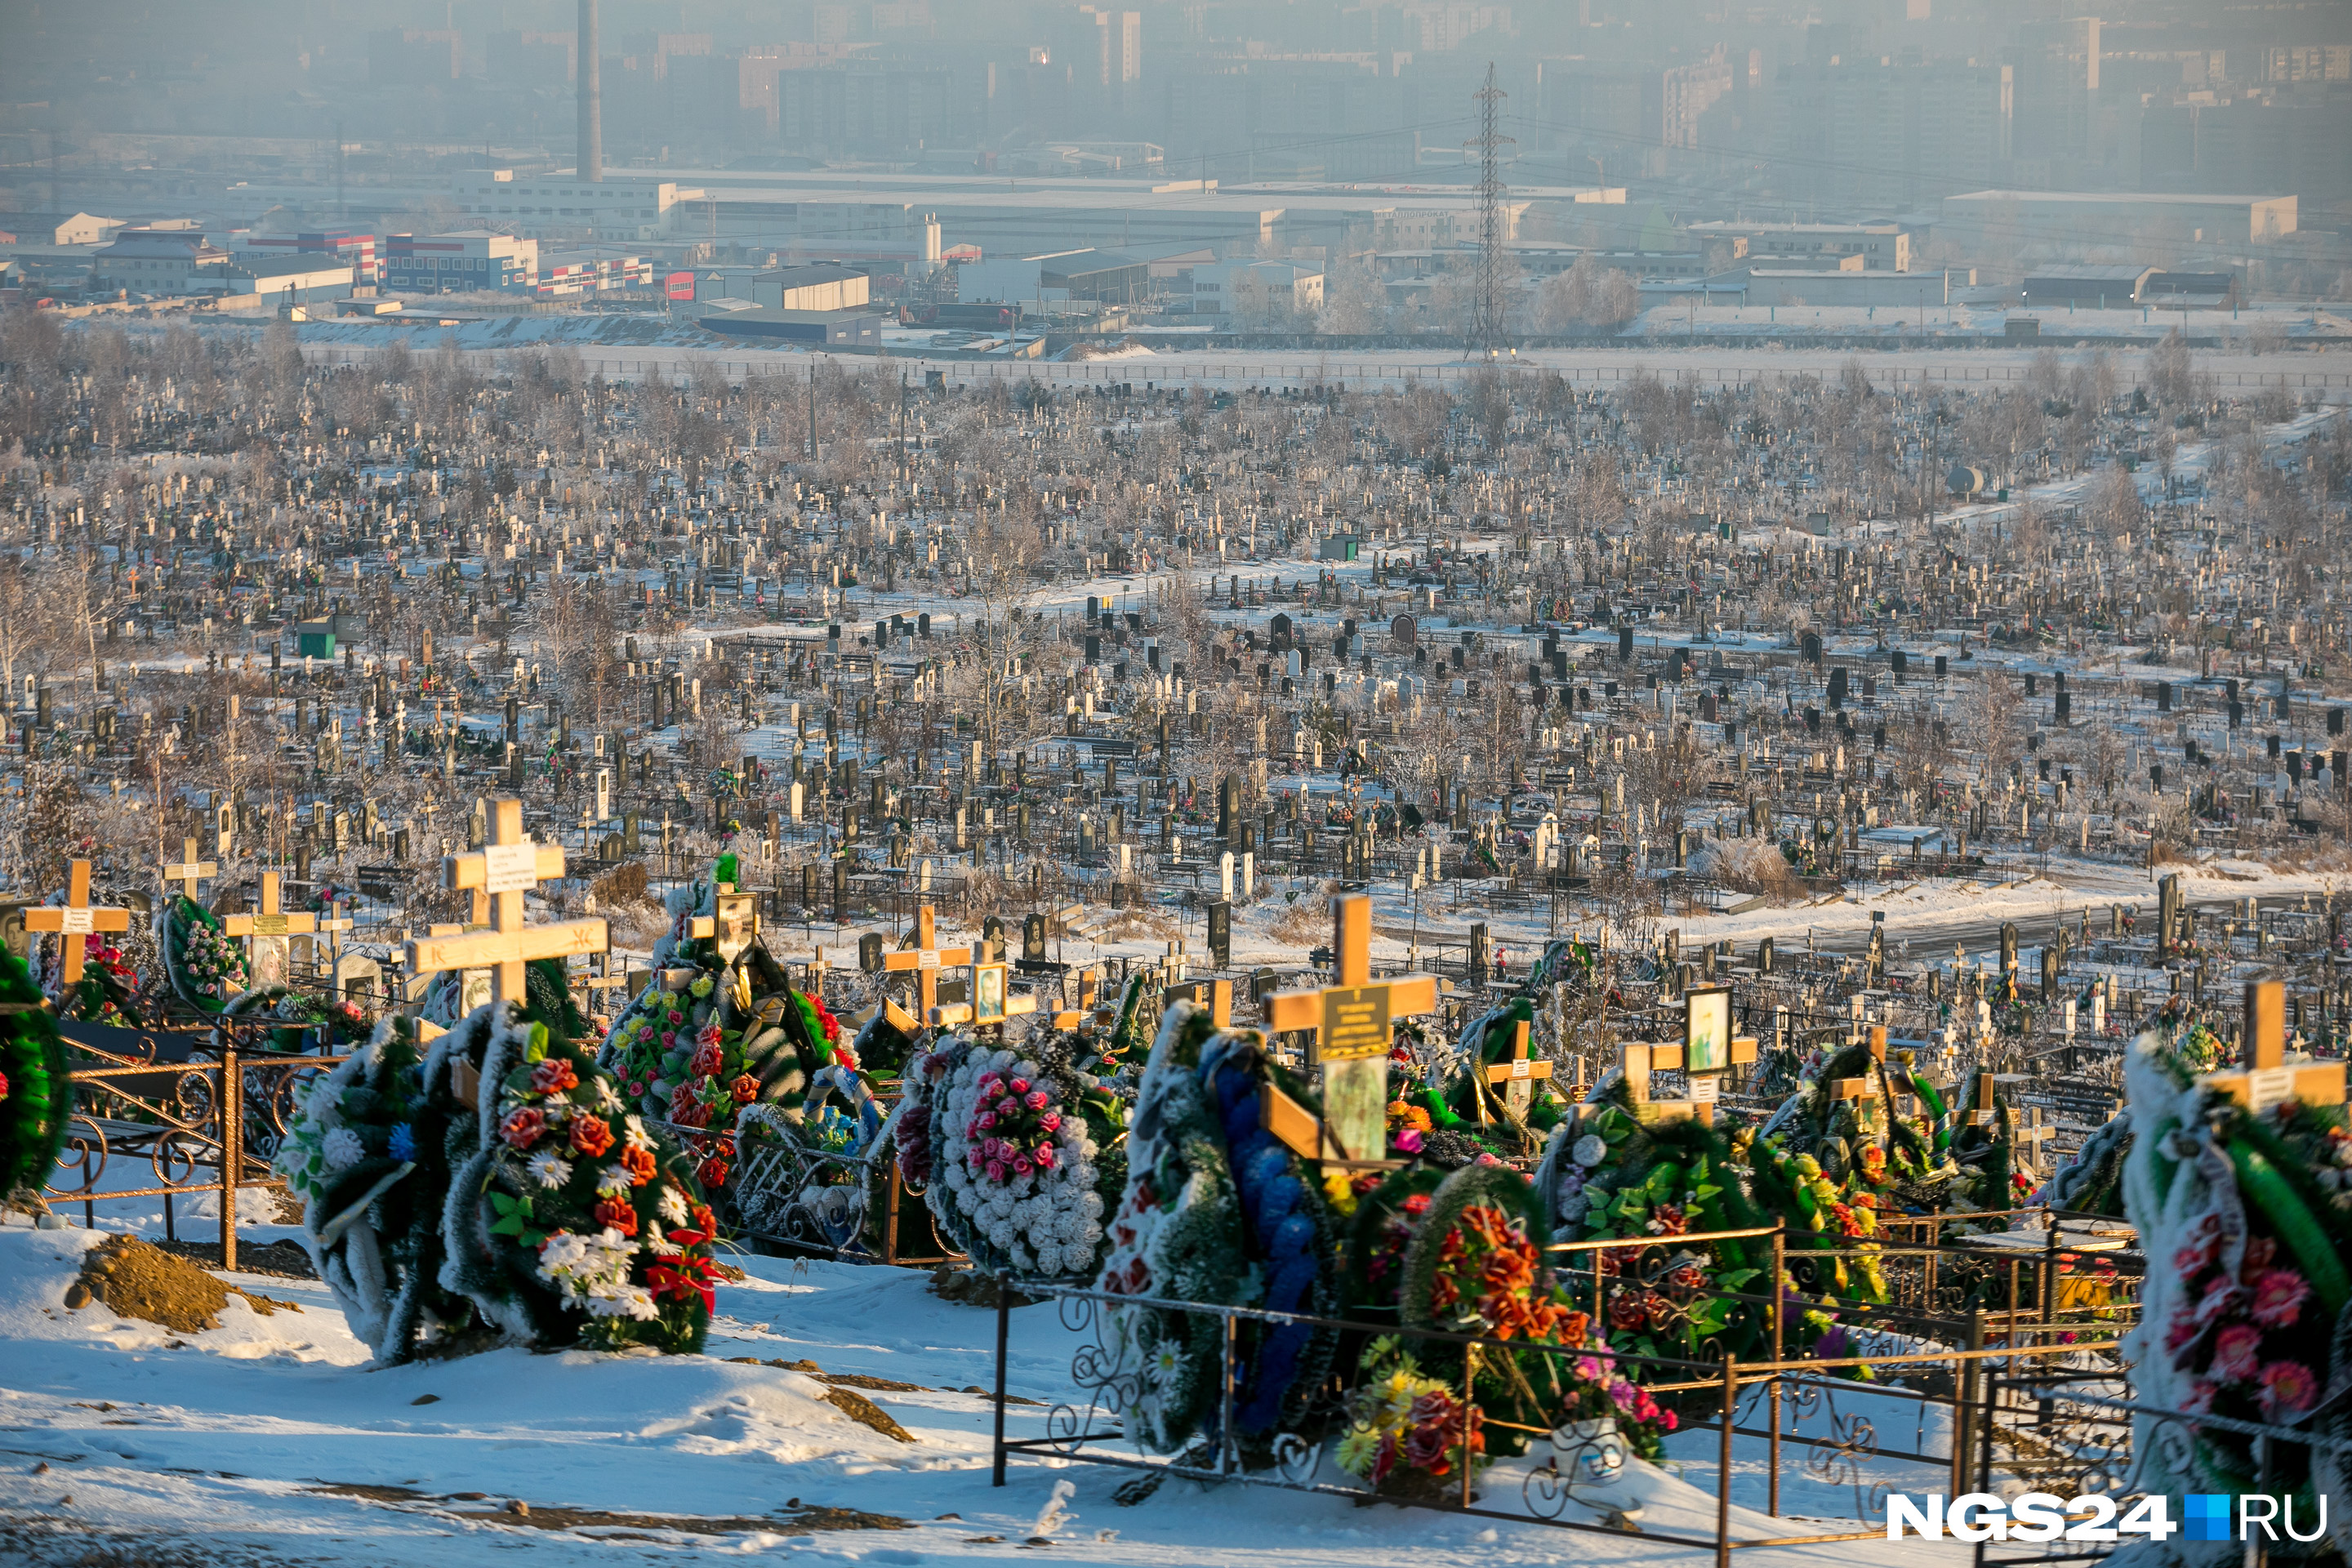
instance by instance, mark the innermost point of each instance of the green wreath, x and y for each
(368, 1155)
(35, 1088)
(567, 1221)
(1175, 1236)
(204, 965)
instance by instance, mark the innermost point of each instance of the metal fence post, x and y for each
(1779, 1262)
(231, 1110)
(1963, 1395)
(1723, 1483)
(1003, 1332)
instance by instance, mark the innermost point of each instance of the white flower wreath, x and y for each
(1037, 1223)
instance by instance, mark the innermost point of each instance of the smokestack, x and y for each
(592, 98)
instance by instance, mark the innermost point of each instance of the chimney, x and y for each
(592, 105)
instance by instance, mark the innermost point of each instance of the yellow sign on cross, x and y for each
(76, 921)
(272, 921)
(1350, 1022)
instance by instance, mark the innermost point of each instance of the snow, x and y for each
(229, 1436)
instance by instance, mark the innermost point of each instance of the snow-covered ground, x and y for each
(273, 1438)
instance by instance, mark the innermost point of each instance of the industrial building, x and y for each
(572, 273)
(354, 247)
(1256, 288)
(459, 262)
(790, 289)
(562, 203)
(1878, 246)
(2086, 288)
(159, 262)
(831, 329)
(1850, 286)
(2009, 219)
(296, 280)
(866, 215)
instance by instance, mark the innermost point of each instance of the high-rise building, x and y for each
(2057, 72)
(1870, 133)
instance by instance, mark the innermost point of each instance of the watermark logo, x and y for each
(2044, 1516)
(2208, 1516)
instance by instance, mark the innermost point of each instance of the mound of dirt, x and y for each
(137, 1280)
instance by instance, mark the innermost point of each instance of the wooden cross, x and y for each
(1640, 1060)
(1216, 995)
(1087, 1012)
(265, 934)
(980, 978)
(2032, 1133)
(1983, 1113)
(272, 921)
(190, 870)
(1350, 1022)
(510, 865)
(2267, 1078)
(924, 960)
(1515, 1079)
(1865, 1088)
(76, 921)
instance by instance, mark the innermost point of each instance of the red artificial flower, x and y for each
(640, 1163)
(683, 1281)
(745, 1088)
(711, 1173)
(2288, 1389)
(704, 1220)
(706, 1061)
(591, 1136)
(618, 1215)
(553, 1076)
(2279, 1296)
(524, 1127)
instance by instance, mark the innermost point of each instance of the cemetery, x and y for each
(892, 968)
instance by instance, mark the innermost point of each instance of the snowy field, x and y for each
(272, 1439)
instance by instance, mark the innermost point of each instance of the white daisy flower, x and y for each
(549, 1169)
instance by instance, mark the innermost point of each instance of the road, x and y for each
(2324, 370)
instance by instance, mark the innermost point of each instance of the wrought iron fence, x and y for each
(1834, 1409)
(157, 1101)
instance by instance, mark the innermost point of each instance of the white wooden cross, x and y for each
(190, 870)
(2267, 1077)
(1352, 1025)
(510, 864)
(76, 921)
